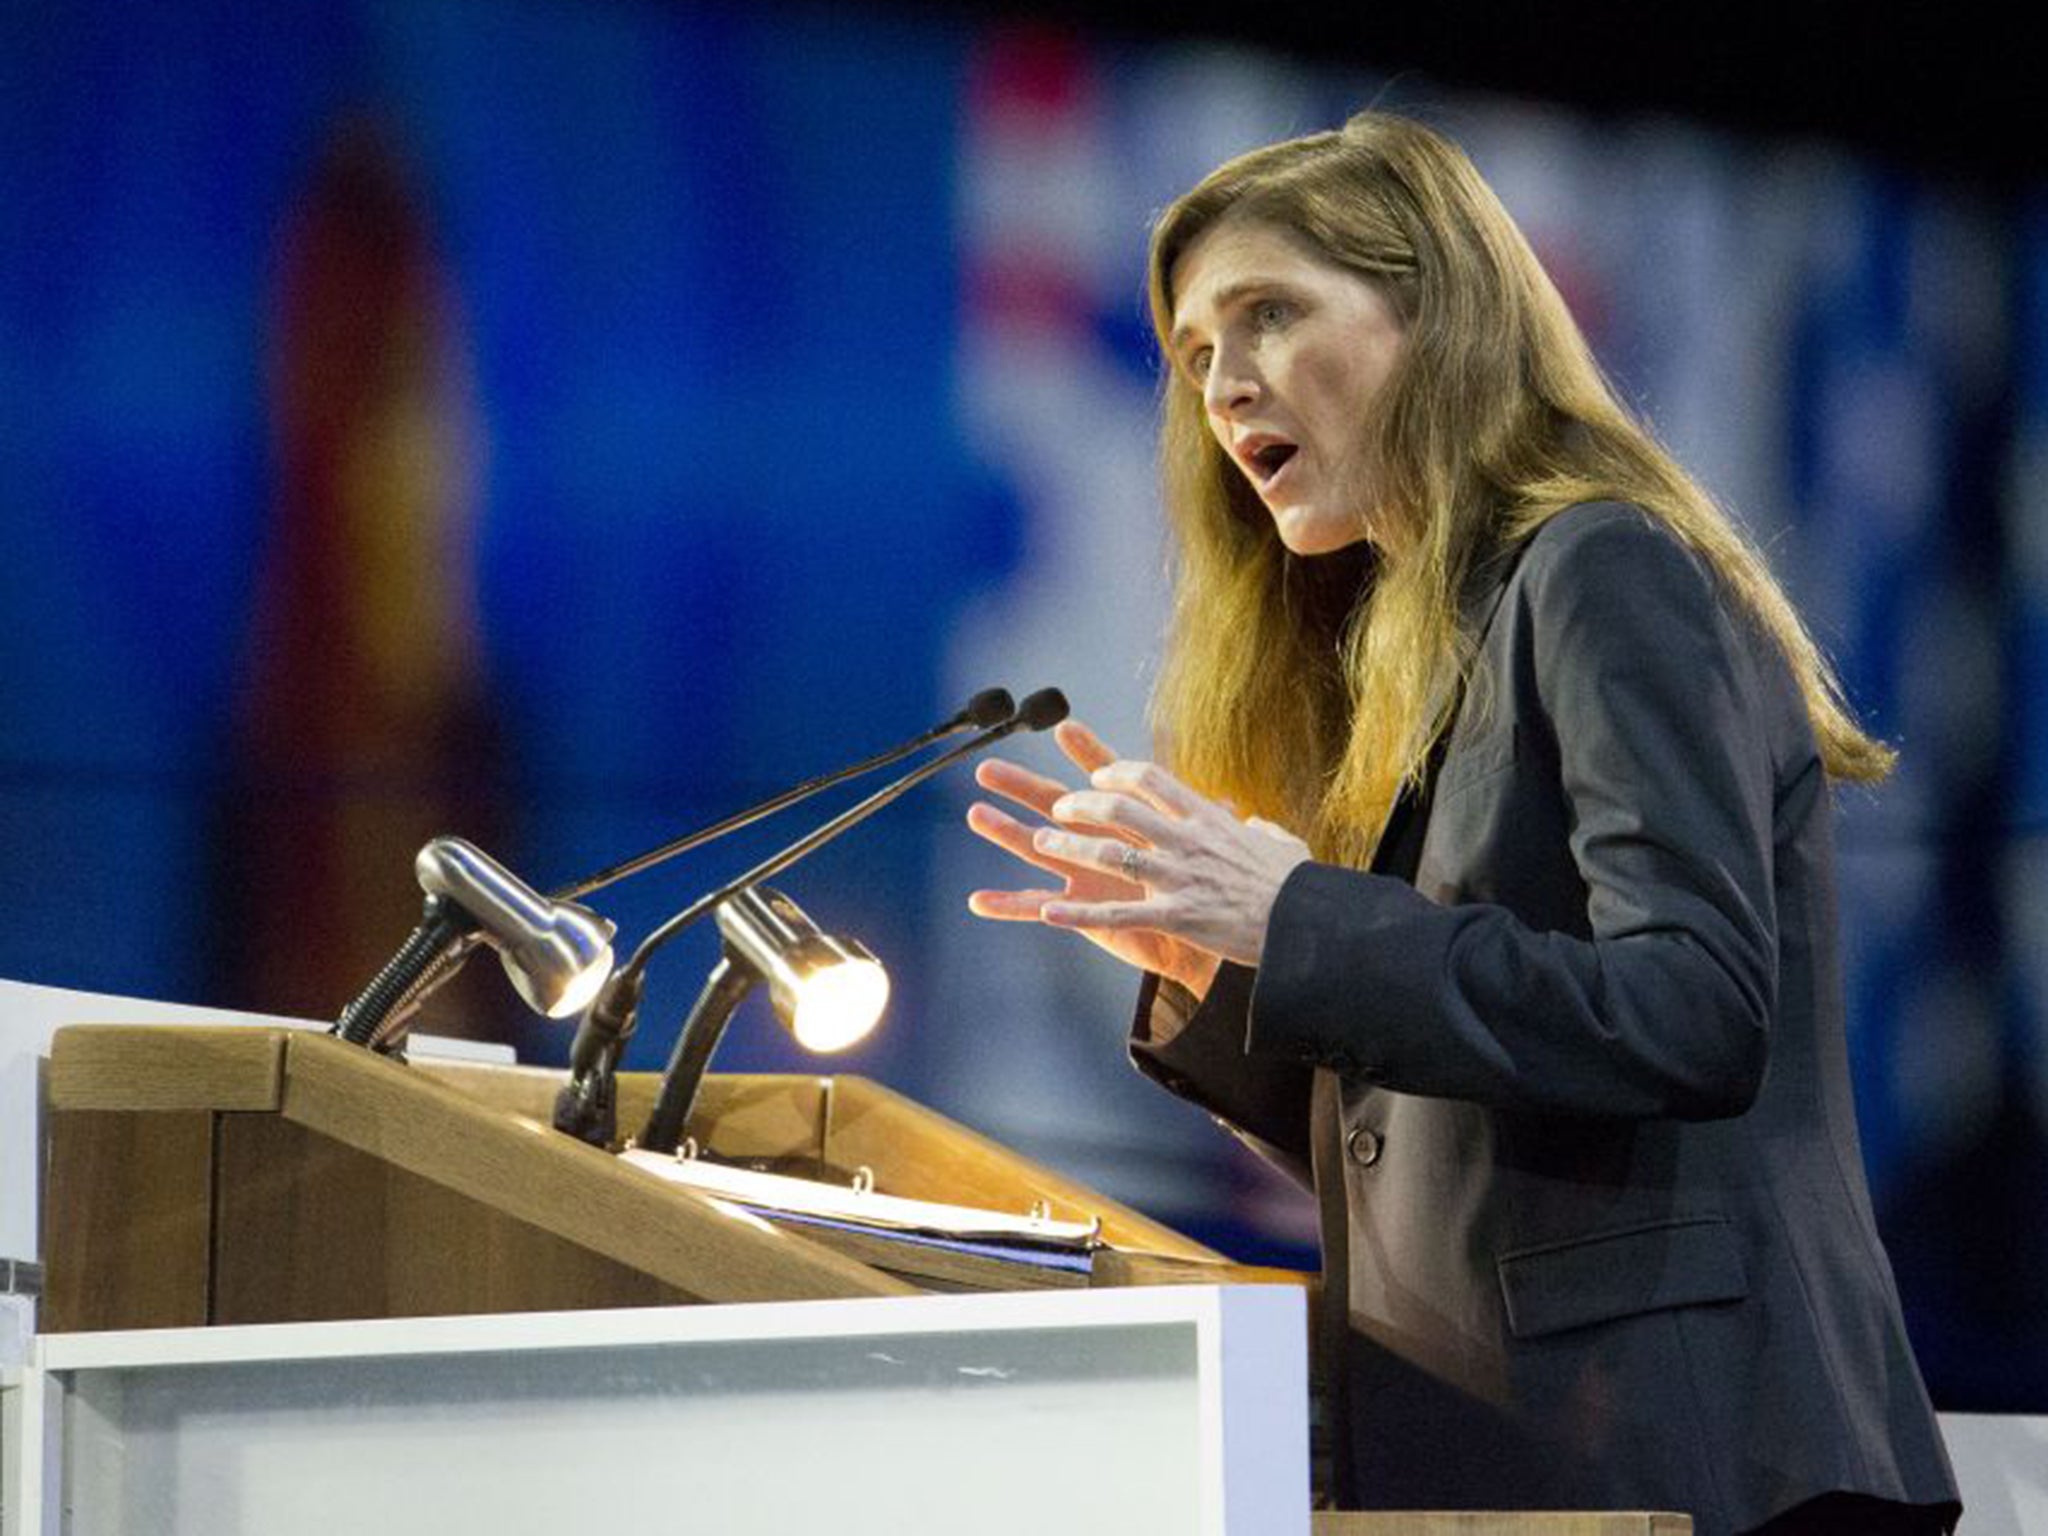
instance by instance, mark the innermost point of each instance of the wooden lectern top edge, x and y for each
(168, 1066)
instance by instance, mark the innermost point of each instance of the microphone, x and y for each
(986, 708)
(1038, 712)
(584, 1106)
(555, 953)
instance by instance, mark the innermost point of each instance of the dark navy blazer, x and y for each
(1576, 1100)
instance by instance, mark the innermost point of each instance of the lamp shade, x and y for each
(829, 992)
(555, 953)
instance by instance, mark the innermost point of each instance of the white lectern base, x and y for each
(1177, 1409)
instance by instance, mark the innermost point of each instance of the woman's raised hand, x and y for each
(1153, 872)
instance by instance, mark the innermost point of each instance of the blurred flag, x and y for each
(363, 712)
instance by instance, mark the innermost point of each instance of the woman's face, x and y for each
(1288, 351)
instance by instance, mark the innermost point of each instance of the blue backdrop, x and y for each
(563, 423)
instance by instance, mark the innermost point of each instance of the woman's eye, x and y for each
(1198, 362)
(1271, 314)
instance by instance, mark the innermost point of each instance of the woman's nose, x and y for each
(1231, 386)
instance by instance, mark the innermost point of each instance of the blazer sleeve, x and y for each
(1202, 1058)
(1662, 754)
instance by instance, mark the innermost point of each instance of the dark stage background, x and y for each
(563, 423)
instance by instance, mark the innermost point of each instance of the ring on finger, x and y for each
(1128, 865)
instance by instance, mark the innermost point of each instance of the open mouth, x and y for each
(1266, 462)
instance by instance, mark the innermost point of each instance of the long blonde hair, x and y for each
(1311, 691)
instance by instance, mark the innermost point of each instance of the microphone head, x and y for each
(991, 706)
(1041, 710)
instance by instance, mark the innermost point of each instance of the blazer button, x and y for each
(1363, 1146)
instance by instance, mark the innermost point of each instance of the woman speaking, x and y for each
(1488, 885)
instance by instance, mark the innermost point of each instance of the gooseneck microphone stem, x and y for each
(724, 990)
(985, 708)
(1050, 709)
(585, 1106)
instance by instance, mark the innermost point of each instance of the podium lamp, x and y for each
(829, 992)
(555, 953)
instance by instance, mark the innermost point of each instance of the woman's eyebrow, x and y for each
(1222, 299)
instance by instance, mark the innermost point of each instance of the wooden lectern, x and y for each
(224, 1175)
(217, 1176)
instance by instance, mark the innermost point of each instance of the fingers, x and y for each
(1110, 856)
(1037, 791)
(1151, 783)
(1096, 829)
(1086, 750)
(1097, 834)
(1034, 791)
(1010, 906)
(1014, 838)
(1116, 813)
(1005, 831)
